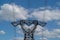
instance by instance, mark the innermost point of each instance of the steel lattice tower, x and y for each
(28, 33)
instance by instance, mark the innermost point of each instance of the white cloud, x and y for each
(8, 10)
(2, 32)
(6, 13)
(55, 33)
(43, 39)
(17, 38)
(49, 14)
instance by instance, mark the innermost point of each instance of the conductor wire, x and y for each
(45, 3)
(14, 19)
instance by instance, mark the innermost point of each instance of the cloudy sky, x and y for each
(42, 10)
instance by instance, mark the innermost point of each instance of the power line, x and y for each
(44, 14)
(14, 19)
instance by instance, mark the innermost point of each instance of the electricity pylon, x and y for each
(28, 32)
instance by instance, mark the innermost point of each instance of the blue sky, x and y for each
(7, 30)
